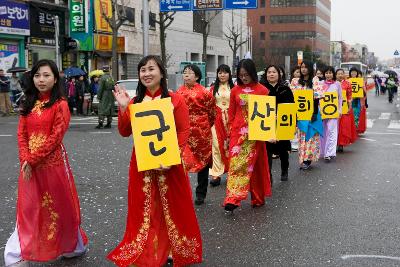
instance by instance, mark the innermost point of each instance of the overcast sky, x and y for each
(375, 23)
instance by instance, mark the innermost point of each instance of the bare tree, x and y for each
(206, 17)
(118, 17)
(234, 41)
(165, 20)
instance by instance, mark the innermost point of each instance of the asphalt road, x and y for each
(343, 213)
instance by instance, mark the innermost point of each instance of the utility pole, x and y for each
(57, 34)
(145, 28)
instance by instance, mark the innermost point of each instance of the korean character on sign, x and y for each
(77, 9)
(355, 87)
(11, 12)
(255, 113)
(42, 18)
(304, 104)
(330, 107)
(2, 22)
(286, 120)
(77, 20)
(22, 14)
(8, 22)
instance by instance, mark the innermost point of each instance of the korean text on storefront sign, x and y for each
(14, 18)
(77, 14)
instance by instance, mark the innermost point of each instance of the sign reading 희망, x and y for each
(77, 15)
(286, 121)
(304, 100)
(14, 18)
(329, 105)
(262, 117)
(357, 89)
(154, 134)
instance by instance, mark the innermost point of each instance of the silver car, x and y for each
(129, 85)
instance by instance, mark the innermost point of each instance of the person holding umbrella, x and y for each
(106, 98)
(5, 102)
(391, 84)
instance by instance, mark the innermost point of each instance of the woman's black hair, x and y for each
(332, 69)
(277, 68)
(338, 71)
(195, 69)
(141, 89)
(354, 69)
(310, 69)
(283, 76)
(32, 93)
(293, 71)
(223, 68)
(250, 68)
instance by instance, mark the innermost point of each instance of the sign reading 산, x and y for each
(154, 132)
(262, 117)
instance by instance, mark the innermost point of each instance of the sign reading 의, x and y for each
(262, 114)
(329, 105)
(345, 103)
(304, 100)
(357, 85)
(286, 123)
(154, 132)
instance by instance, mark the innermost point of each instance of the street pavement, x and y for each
(343, 213)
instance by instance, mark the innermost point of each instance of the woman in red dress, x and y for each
(248, 164)
(347, 127)
(197, 155)
(48, 213)
(161, 217)
(220, 152)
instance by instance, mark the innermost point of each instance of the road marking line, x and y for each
(100, 132)
(367, 139)
(346, 257)
(6, 135)
(370, 123)
(376, 133)
(394, 125)
(396, 144)
(384, 116)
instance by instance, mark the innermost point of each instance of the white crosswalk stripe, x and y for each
(384, 116)
(394, 125)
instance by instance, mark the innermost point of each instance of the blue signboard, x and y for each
(240, 4)
(14, 18)
(175, 5)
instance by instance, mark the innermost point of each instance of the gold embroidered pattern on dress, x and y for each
(135, 248)
(181, 245)
(36, 140)
(47, 202)
(38, 107)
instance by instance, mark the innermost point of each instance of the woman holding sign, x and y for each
(283, 94)
(347, 129)
(248, 165)
(161, 217)
(197, 155)
(48, 213)
(333, 106)
(359, 104)
(220, 152)
(309, 130)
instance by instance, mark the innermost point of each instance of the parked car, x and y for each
(130, 86)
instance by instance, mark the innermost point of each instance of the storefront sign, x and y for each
(85, 38)
(41, 41)
(77, 15)
(8, 55)
(103, 42)
(14, 18)
(102, 8)
(42, 22)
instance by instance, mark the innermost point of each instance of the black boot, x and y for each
(215, 182)
(99, 126)
(230, 207)
(284, 175)
(108, 125)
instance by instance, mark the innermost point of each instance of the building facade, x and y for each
(184, 42)
(283, 27)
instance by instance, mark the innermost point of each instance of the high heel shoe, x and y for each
(230, 207)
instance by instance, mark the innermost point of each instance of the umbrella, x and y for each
(74, 71)
(17, 69)
(391, 72)
(96, 73)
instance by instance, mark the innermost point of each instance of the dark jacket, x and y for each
(4, 85)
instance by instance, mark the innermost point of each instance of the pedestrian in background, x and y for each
(71, 96)
(198, 153)
(161, 217)
(106, 98)
(358, 105)
(48, 213)
(15, 87)
(278, 88)
(5, 101)
(220, 146)
(309, 131)
(347, 128)
(391, 85)
(329, 138)
(80, 91)
(248, 162)
(295, 73)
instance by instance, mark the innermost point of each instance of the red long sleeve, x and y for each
(211, 104)
(23, 144)
(181, 115)
(60, 126)
(232, 109)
